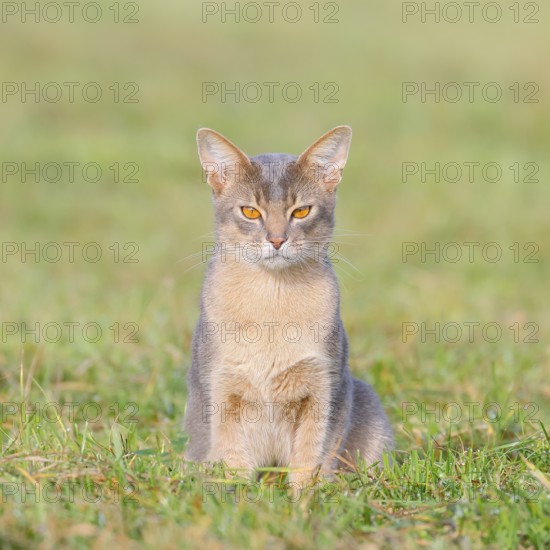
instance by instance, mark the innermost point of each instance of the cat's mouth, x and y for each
(265, 254)
(289, 254)
(280, 257)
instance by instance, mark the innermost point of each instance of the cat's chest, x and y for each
(260, 324)
(264, 299)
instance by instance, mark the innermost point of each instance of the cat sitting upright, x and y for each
(269, 383)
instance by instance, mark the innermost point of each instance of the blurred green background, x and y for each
(170, 53)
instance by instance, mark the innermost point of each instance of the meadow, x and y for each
(443, 240)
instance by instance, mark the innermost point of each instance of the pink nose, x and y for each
(277, 242)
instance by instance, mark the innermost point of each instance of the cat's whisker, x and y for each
(339, 268)
(193, 266)
(341, 279)
(332, 241)
(350, 231)
(211, 234)
(194, 255)
(207, 255)
(336, 254)
(348, 262)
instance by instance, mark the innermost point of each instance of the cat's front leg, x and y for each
(309, 439)
(227, 437)
(304, 388)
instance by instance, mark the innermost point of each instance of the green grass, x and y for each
(476, 480)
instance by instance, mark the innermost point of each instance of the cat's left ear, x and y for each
(326, 158)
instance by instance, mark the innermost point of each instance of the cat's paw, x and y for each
(301, 479)
(234, 464)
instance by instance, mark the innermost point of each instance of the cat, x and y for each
(269, 383)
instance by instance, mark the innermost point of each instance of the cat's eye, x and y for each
(301, 212)
(250, 213)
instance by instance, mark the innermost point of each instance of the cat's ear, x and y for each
(222, 162)
(326, 158)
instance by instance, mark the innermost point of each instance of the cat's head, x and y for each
(274, 210)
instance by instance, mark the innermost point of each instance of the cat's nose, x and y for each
(277, 242)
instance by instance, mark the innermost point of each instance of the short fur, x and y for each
(277, 391)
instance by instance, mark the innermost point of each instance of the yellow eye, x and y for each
(301, 212)
(250, 213)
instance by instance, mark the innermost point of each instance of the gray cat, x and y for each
(269, 383)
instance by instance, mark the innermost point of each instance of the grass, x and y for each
(91, 428)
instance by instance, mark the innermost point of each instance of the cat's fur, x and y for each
(276, 391)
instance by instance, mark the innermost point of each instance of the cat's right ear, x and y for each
(222, 161)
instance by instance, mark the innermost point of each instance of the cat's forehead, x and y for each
(273, 181)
